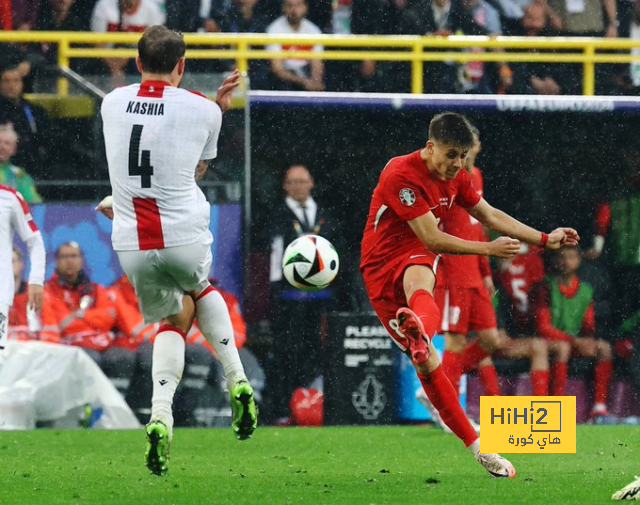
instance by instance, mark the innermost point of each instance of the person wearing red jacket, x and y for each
(564, 313)
(85, 314)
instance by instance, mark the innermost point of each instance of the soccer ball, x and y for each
(310, 263)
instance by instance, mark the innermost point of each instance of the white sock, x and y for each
(474, 448)
(215, 323)
(166, 372)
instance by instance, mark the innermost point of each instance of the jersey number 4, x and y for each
(139, 166)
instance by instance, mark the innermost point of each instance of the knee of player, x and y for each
(604, 350)
(539, 347)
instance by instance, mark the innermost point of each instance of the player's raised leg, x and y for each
(418, 283)
(215, 323)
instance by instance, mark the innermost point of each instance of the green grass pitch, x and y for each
(402, 465)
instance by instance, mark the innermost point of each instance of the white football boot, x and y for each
(629, 492)
(496, 465)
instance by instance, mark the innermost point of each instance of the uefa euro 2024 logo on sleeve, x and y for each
(540, 424)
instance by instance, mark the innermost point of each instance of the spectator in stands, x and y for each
(192, 16)
(541, 78)
(433, 17)
(585, 17)
(243, 17)
(124, 16)
(296, 74)
(319, 12)
(478, 17)
(11, 175)
(379, 17)
(296, 340)
(18, 324)
(25, 14)
(37, 147)
(86, 316)
(626, 78)
(564, 313)
(68, 16)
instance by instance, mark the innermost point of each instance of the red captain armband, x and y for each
(544, 239)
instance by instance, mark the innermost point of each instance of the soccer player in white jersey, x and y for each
(156, 134)
(15, 216)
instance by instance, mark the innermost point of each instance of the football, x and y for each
(310, 263)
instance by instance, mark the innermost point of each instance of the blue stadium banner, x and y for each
(60, 223)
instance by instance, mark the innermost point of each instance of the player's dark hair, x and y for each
(452, 129)
(160, 49)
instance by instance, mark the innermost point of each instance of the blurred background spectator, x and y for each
(10, 174)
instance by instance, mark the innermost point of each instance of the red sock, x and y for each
(601, 376)
(489, 379)
(558, 378)
(540, 382)
(472, 355)
(444, 398)
(452, 367)
(425, 307)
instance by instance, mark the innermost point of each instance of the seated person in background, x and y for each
(541, 78)
(11, 175)
(295, 74)
(31, 122)
(85, 314)
(564, 313)
(21, 325)
(124, 16)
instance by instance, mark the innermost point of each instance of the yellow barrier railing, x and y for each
(413, 49)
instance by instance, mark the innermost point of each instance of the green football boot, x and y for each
(244, 411)
(156, 455)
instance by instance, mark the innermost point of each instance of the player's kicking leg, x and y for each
(418, 282)
(215, 323)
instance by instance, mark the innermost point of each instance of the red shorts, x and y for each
(386, 292)
(465, 309)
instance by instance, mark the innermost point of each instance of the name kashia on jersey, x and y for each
(150, 109)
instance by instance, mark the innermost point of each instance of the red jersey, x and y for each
(523, 272)
(464, 270)
(406, 190)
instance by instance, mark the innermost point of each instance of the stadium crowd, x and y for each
(599, 18)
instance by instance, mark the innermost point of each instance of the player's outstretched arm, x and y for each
(225, 92)
(426, 229)
(505, 224)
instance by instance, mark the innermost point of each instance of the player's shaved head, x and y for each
(452, 129)
(160, 49)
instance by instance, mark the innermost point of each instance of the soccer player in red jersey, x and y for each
(400, 255)
(464, 298)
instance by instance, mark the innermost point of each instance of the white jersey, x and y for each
(282, 26)
(106, 17)
(15, 216)
(155, 134)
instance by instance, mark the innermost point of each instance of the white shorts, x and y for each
(162, 276)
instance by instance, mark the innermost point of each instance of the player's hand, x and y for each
(35, 293)
(561, 237)
(225, 92)
(106, 207)
(504, 247)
